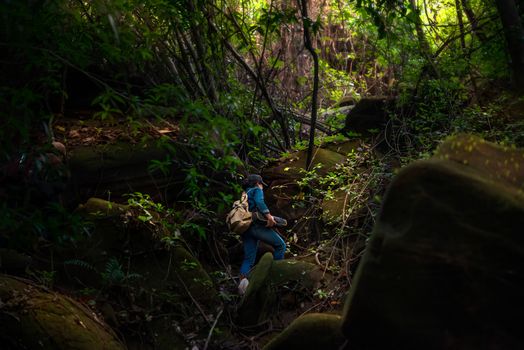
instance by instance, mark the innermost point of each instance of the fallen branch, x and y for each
(192, 298)
(212, 328)
(306, 120)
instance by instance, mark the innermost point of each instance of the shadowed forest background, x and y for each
(126, 128)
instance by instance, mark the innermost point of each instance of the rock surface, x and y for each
(159, 267)
(443, 269)
(274, 283)
(117, 169)
(311, 331)
(283, 176)
(501, 164)
(370, 113)
(34, 318)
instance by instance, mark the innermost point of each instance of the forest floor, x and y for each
(81, 129)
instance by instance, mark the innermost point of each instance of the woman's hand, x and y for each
(270, 220)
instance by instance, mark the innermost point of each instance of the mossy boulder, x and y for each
(117, 227)
(116, 235)
(369, 115)
(292, 166)
(336, 206)
(178, 271)
(32, 317)
(283, 175)
(191, 277)
(268, 283)
(117, 169)
(312, 331)
(502, 164)
(110, 234)
(443, 268)
(100, 208)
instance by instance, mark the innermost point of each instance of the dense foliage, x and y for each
(225, 87)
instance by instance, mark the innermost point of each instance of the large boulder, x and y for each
(277, 283)
(443, 268)
(32, 317)
(502, 164)
(284, 174)
(293, 165)
(369, 115)
(116, 233)
(162, 281)
(310, 332)
(115, 169)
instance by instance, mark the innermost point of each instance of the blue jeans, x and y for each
(259, 232)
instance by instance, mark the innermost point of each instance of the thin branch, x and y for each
(307, 120)
(212, 328)
(192, 298)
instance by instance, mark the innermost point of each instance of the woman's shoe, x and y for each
(242, 286)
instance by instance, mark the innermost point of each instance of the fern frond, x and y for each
(80, 263)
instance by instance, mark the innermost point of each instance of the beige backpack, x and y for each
(239, 218)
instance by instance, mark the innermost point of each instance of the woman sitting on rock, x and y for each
(260, 229)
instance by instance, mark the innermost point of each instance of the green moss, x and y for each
(344, 147)
(33, 317)
(494, 161)
(113, 156)
(311, 331)
(291, 166)
(100, 208)
(256, 304)
(306, 274)
(334, 208)
(259, 275)
(443, 266)
(190, 276)
(265, 282)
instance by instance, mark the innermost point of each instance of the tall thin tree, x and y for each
(514, 33)
(307, 24)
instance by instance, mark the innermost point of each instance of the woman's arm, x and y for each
(262, 207)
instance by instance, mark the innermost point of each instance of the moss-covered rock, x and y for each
(100, 208)
(190, 276)
(119, 169)
(291, 167)
(114, 235)
(443, 269)
(269, 282)
(369, 114)
(282, 176)
(258, 300)
(343, 147)
(311, 331)
(501, 164)
(109, 236)
(335, 207)
(34, 318)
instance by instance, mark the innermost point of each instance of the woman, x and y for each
(259, 230)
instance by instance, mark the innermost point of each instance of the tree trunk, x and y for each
(458, 7)
(514, 33)
(473, 21)
(425, 49)
(309, 46)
